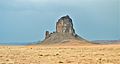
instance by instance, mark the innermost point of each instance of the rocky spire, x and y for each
(65, 25)
(64, 31)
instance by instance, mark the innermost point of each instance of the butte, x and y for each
(64, 34)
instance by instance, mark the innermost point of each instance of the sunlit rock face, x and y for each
(64, 32)
(65, 25)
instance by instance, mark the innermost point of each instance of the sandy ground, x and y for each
(93, 54)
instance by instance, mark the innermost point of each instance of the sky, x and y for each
(27, 20)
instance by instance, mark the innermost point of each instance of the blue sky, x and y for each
(27, 20)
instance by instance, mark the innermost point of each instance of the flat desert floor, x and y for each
(93, 54)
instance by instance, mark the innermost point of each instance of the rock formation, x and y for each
(47, 35)
(64, 32)
(65, 25)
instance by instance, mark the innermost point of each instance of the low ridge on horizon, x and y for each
(65, 33)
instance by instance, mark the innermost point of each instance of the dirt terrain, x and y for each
(85, 54)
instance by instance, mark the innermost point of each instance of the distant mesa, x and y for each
(64, 34)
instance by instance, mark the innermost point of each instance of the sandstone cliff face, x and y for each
(64, 32)
(65, 25)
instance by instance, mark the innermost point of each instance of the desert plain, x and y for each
(81, 54)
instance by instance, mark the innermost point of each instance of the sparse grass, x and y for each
(60, 62)
(96, 54)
